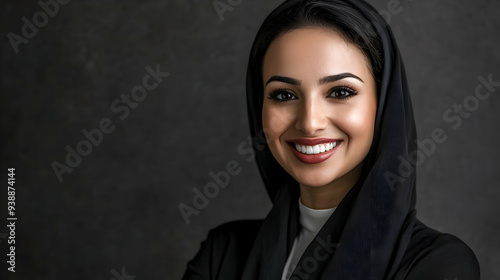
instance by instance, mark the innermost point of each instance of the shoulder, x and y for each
(233, 239)
(224, 252)
(236, 230)
(435, 255)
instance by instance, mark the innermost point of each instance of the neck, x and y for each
(330, 195)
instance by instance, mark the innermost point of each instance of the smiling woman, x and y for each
(320, 111)
(327, 86)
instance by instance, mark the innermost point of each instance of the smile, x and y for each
(312, 151)
(316, 149)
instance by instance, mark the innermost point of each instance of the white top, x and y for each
(311, 220)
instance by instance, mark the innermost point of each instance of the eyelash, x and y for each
(274, 94)
(342, 88)
(351, 91)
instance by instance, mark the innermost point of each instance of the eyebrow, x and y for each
(334, 78)
(287, 80)
(324, 80)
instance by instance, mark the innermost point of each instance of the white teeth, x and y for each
(316, 149)
(309, 150)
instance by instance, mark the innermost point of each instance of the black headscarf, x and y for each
(370, 231)
(373, 233)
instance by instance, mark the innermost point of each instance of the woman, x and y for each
(326, 85)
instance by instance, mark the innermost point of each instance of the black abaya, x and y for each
(373, 233)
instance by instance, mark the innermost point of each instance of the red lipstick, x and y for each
(317, 157)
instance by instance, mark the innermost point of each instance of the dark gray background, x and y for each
(119, 207)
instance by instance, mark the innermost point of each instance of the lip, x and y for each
(317, 158)
(313, 141)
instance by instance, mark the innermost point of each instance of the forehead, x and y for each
(313, 51)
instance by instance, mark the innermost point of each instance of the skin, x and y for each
(314, 110)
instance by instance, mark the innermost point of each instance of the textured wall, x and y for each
(118, 208)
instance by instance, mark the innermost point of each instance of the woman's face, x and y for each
(319, 106)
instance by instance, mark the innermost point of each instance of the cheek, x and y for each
(275, 121)
(359, 122)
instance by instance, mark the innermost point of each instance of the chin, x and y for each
(334, 175)
(315, 179)
(314, 183)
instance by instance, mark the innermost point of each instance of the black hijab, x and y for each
(373, 233)
(370, 231)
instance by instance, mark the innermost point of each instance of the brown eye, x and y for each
(342, 92)
(282, 95)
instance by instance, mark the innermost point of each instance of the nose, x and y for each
(311, 117)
